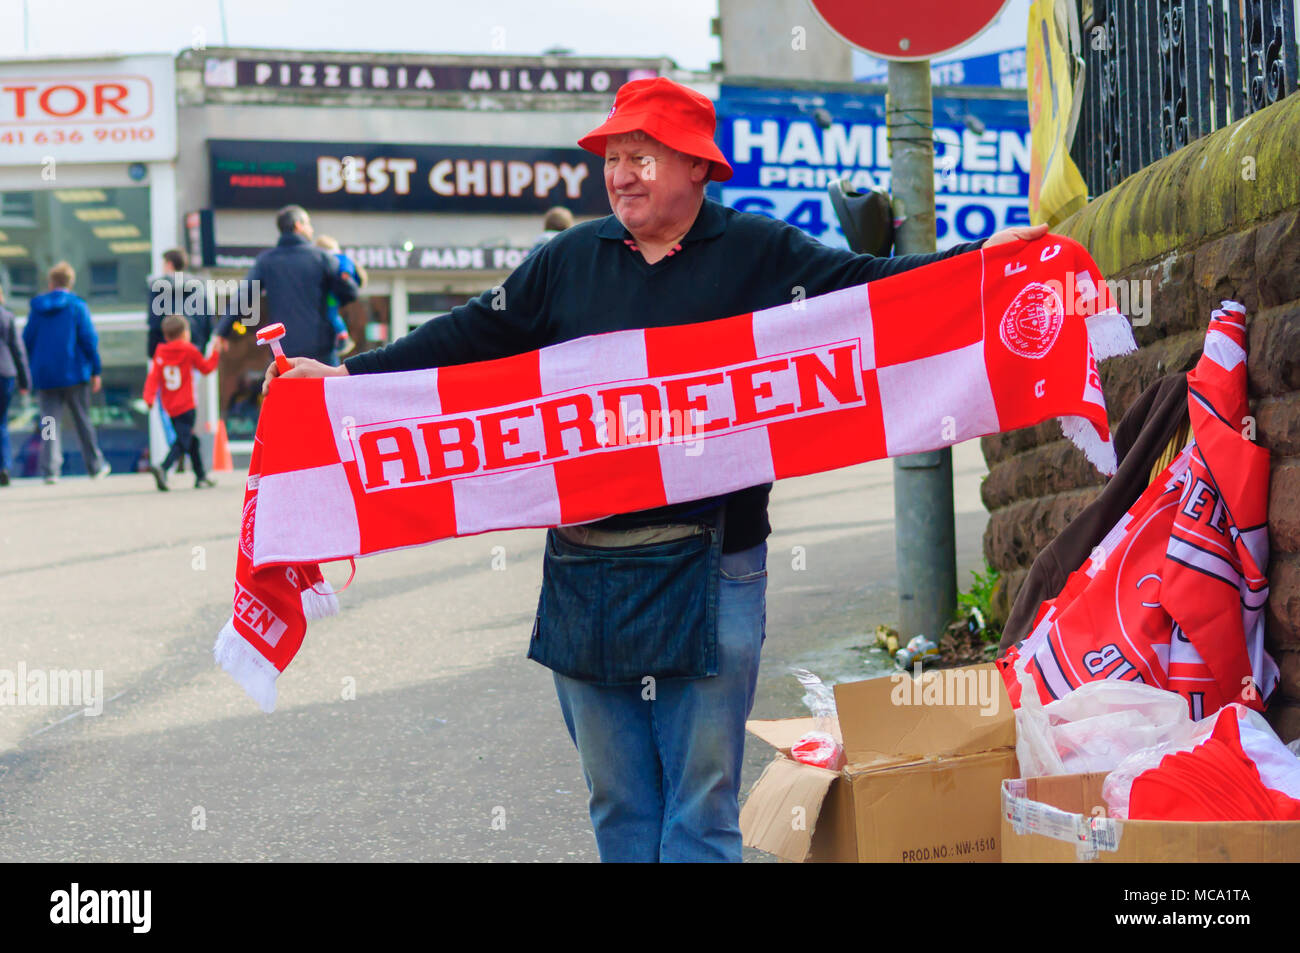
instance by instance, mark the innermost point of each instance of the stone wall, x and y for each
(1218, 219)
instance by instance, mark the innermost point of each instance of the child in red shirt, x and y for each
(171, 369)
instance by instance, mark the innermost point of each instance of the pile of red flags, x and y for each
(1174, 594)
(1239, 772)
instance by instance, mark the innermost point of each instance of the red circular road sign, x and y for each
(907, 29)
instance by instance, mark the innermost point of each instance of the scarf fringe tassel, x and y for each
(318, 604)
(1109, 335)
(246, 665)
(1082, 432)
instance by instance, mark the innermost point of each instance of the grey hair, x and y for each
(288, 217)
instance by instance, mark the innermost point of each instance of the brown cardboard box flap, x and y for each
(946, 712)
(782, 808)
(782, 734)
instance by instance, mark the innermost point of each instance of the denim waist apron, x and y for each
(613, 615)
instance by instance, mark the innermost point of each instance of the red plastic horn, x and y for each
(271, 335)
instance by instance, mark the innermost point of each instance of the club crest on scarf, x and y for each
(246, 526)
(1032, 321)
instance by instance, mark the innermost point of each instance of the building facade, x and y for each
(88, 152)
(432, 172)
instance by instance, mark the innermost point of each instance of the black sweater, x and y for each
(588, 280)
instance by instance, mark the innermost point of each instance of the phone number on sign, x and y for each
(58, 137)
(958, 218)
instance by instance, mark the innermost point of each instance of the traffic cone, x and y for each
(221, 459)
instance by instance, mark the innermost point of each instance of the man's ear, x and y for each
(700, 169)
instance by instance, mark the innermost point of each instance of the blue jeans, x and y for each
(662, 762)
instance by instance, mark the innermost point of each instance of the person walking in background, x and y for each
(166, 291)
(171, 373)
(343, 342)
(555, 221)
(63, 350)
(173, 286)
(14, 375)
(296, 277)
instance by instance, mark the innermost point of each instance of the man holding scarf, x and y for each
(652, 622)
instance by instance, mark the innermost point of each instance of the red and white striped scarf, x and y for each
(988, 341)
(1174, 594)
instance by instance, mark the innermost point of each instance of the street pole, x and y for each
(924, 525)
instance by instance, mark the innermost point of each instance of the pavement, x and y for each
(411, 727)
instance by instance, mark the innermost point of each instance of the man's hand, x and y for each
(302, 367)
(96, 384)
(1021, 233)
(219, 344)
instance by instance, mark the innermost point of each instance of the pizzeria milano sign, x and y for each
(369, 177)
(414, 77)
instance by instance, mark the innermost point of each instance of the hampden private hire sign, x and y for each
(93, 110)
(353, 176)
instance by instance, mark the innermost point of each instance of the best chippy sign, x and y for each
(386, 177)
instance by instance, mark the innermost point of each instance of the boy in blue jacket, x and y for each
(63, 352)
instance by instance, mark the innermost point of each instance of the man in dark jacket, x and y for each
(297, 278)
(14, 375)
(64, 352)
(173, 288)
(173, 292)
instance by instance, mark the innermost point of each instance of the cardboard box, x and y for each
(1063, 818)
(925, 763)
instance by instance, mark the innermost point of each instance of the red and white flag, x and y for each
(988, 341)
(1174, 594)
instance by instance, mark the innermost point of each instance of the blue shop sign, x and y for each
(786, 146)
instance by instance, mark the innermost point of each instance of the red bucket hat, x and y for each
(678, 117)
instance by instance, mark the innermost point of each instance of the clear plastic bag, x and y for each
(818, 747)
(1094, 727)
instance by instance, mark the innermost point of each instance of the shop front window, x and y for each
(424, 306)
(103, 233)
(103, 279)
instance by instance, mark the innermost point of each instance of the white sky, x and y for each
(675, 28)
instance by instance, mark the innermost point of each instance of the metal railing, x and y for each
(1162, 73)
